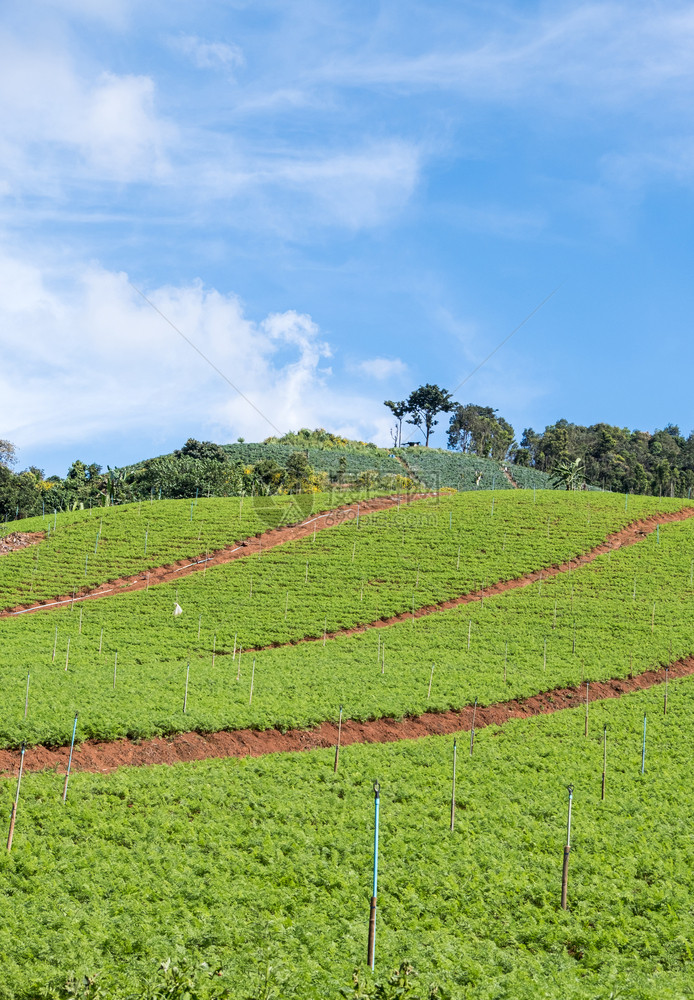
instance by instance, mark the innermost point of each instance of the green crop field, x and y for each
(85, 548)
(251, 878)
(517, 645)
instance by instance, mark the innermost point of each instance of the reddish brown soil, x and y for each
(20, 540)
(510, 478)
(633, 533)
(104, 757)
(237, 550)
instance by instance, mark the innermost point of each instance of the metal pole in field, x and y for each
(371, 951)
(67, 654)
(472, 731)
(69, 762)
(339, 737)
(643, 749)
(455, 753)
(185, 696)
(604, 760)
(13, 814)
(567, 851)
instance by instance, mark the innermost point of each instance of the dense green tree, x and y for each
(203, 450)
(424, 404)
(479, 431)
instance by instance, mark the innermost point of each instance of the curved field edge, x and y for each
(593, 623)
(116, 545)
(341, 517)
(253, 876)
(102, 757)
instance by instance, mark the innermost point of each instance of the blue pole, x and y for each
(643, 751)
(69, 763)
(371, 954)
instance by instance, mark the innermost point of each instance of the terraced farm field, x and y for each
(249, 878)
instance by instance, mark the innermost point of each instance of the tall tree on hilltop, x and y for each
(399, 410)
(424, 403)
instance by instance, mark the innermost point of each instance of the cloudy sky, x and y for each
(335, 202)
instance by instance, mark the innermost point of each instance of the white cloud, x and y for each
(84, 355)
(608, 53)
(381, 368)
(209, 55)
(58, 126)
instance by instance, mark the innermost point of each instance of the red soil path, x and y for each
(172, 572)
(104, 757)
(633, 533)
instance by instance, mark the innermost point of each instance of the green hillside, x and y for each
(252, 877)
(420, 554)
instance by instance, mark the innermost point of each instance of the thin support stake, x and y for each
(455, 752)
(604, 760)
(371, 951)
(185, 696)
(55, 643)
(339, 739)
(69, 761)
(472, 731)
(431, 677)
(13, 814)
(567, 851)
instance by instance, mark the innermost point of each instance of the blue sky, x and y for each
(337, 202)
